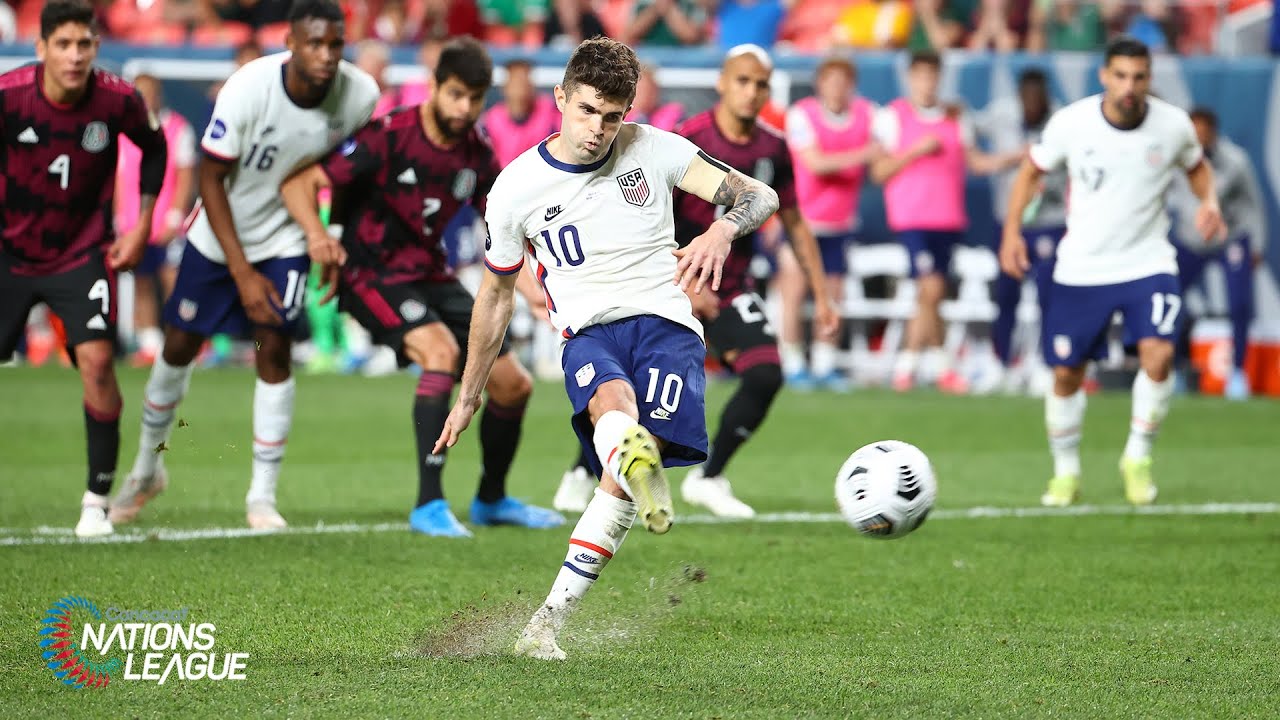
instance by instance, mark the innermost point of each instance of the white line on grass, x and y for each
(45, 535)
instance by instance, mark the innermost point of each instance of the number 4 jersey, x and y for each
(60, 167)
(258, 127)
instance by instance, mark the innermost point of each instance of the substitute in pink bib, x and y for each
(172, 204)
(927, 194)
(829, 192)
(829, 137)
(523, 118)
(170, 209)
(929, 150)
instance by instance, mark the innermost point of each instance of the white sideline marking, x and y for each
(45, 535)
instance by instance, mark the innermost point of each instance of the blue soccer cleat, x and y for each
(437, 520)
(800, 380)
(510, 511)
(834, 382)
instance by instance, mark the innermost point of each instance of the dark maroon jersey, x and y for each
(764, 157)
(400, 190)
(60, 167)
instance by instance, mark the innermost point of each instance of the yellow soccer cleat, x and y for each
(641, 466)
(1062, 491)
(1139, 488)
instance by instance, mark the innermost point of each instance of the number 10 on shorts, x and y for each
(668, 397)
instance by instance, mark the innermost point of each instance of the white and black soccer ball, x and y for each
(886, 489)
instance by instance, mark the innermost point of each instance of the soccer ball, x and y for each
(886, 489)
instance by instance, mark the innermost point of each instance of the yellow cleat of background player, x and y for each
(1139, 488)
(1062, 491)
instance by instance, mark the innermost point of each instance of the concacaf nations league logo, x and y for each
(61, 653)
(88, 648)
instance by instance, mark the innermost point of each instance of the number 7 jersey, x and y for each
(601, 235)
(258, 128)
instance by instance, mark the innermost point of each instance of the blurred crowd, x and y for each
(811, 26)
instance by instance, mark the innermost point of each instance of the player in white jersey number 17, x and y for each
(1120, 150)
(610, 180)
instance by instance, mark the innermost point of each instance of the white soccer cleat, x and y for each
(577, 487)
(714, 494)
(539, 641)
(137, 492)
(93, 517)
(262, 515)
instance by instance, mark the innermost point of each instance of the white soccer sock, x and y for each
(595, 539)
(793, 361)
(608, 435)
(272, 417)
(165, 389)
(906, 363)
(1064, 419)
(824, 358)
(1150, 405)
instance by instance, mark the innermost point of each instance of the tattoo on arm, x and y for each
(751, 202)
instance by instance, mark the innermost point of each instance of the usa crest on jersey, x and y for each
(635, 189)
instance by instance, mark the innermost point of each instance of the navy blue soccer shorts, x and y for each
(1079, 316)
(663, 361)
(206, 302)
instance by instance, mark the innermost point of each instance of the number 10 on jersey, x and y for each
(570, 246)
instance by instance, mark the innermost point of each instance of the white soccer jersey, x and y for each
(258, 126)
(602, 235)
(1117, 227)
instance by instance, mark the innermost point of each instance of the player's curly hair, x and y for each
(466, 59)
(57, 13)
(606, 65)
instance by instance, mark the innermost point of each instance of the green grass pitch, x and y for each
(1100, 615)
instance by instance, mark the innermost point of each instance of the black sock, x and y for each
(582, 461)
(430, 410)
(743, 414)
(102, 433)
(499, 436)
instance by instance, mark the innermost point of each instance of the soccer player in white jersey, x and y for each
(1121, 150)
(245, 267)
(592, 207)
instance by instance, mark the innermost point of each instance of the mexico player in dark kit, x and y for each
(398, 183)
(59, 120)
(735, 321)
